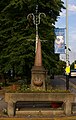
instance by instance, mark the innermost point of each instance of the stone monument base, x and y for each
(38, 78)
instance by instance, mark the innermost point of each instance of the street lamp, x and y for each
(36, 21)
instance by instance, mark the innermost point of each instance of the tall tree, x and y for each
(17, 34)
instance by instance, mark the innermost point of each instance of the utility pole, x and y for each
(36, 21)
(67, 52)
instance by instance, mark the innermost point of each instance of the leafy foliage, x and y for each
(73, 65)
(61, 67)
(17, 34)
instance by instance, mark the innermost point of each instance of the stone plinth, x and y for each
(38, 77)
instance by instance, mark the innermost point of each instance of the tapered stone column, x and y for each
(38, 72)
(38, 56)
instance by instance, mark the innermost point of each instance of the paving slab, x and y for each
(55, 118)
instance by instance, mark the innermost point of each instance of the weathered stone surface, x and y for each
(11, 108)
(40, 96)
(67, 98)
(38, 72)
(38, 56)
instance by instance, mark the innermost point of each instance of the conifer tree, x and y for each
(17, 34)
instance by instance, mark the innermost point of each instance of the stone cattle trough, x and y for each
(13, 98)
(39, 102)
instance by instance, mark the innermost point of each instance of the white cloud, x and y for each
(72, 8)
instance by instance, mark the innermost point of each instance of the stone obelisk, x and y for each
(38, 72)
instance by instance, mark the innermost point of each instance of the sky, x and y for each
(61, 23)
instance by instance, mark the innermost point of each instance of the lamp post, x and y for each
(36, 21)
(67, 52)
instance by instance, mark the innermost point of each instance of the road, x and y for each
(59, 82)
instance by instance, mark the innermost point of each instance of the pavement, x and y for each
(72, 84)
(58, 82)
(54, 118)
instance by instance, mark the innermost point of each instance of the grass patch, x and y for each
(24, 89)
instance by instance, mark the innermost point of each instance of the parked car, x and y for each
(73, 73)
